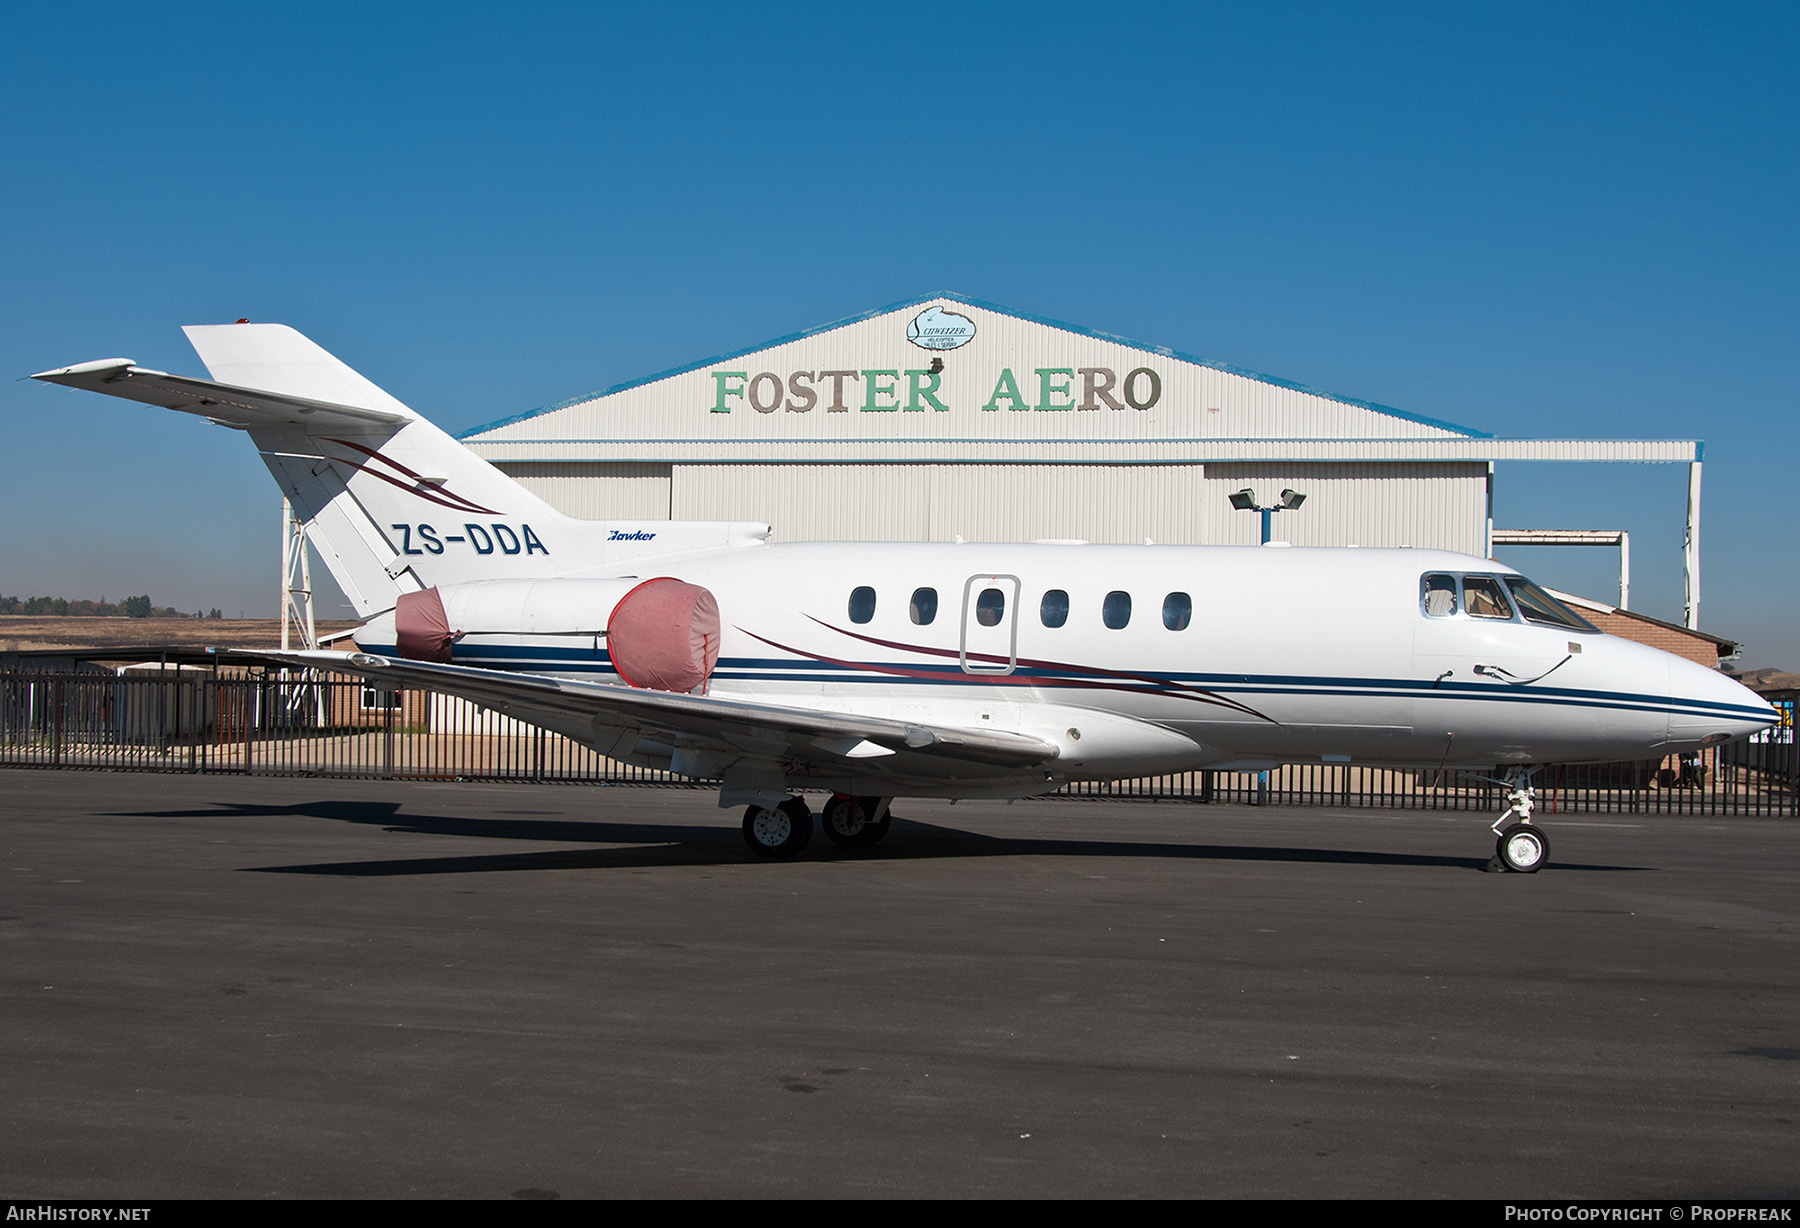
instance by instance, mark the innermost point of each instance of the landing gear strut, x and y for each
(855, 821)
(1520, 846)
(778, 831)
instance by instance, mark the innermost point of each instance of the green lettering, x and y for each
(1006, 387)
(721, 378)
(1048, 387)
(877, 388)
(926, 390)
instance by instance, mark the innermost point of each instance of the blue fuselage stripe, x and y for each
(588, 661)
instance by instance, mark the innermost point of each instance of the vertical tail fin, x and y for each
(392, 509)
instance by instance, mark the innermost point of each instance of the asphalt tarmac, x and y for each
(290, 987)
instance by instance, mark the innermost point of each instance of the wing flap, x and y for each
(802, 733)
(226, 404)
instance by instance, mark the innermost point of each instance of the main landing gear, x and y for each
(778, 831)
(1520, 846)
(855, 821)
(784, 830)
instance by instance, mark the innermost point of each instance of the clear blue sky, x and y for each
(1537, 220)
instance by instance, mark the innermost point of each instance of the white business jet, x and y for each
(880, 670)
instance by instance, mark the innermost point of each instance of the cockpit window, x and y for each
(1439, 596)
(1540, 607)
(1484, 598)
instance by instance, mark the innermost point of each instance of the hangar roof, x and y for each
(946, 377)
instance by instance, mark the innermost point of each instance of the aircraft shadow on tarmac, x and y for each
(675, 844)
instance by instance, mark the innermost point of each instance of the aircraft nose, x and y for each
(1707, 708)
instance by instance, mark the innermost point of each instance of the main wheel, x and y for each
(846, 820)
(778, 831)
(1523, 848)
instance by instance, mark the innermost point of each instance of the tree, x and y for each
(136, 607)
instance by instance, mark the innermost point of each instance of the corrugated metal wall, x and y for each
(598, 491)
(1352, 504)
(1442, 506)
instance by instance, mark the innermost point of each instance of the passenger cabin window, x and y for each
(1439, 596)
(1115, 611)
(1484, 598)
(990, 607)
(1178, 608)
(1540, 607)
(862, 604)
(1054, 608)
(924, 606)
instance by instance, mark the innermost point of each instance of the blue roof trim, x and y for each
(1082, 439)
(1165, 351)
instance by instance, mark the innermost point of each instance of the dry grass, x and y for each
(26, 633)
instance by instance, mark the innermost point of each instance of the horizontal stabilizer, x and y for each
(226, 404)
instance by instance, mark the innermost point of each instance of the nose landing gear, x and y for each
(1520, 846)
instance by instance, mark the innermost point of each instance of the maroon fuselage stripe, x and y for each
(1144, 684)
(1161, 684)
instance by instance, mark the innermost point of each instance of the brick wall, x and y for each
(1669, 639)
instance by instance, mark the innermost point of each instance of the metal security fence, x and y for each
(308, 723)
(283, 723)
(1717, 782)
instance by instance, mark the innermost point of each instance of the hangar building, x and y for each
(946, 417)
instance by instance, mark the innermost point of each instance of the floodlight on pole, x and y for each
(1245, 501)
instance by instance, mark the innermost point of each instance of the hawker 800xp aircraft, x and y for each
(874, 671)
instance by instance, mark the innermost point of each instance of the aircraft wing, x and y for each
(225, 404)
(750, 729)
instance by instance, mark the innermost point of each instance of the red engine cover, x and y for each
(421, 628)
(664, 635)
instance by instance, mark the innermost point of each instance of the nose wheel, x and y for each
(1520, 845)
(778, 831)
(1522, 848)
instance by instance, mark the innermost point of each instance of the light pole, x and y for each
(1245, 501)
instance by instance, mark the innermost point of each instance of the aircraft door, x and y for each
(990, 625)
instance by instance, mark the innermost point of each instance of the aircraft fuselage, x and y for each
(1151, 659)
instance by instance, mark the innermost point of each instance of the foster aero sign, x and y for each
(895, 389)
